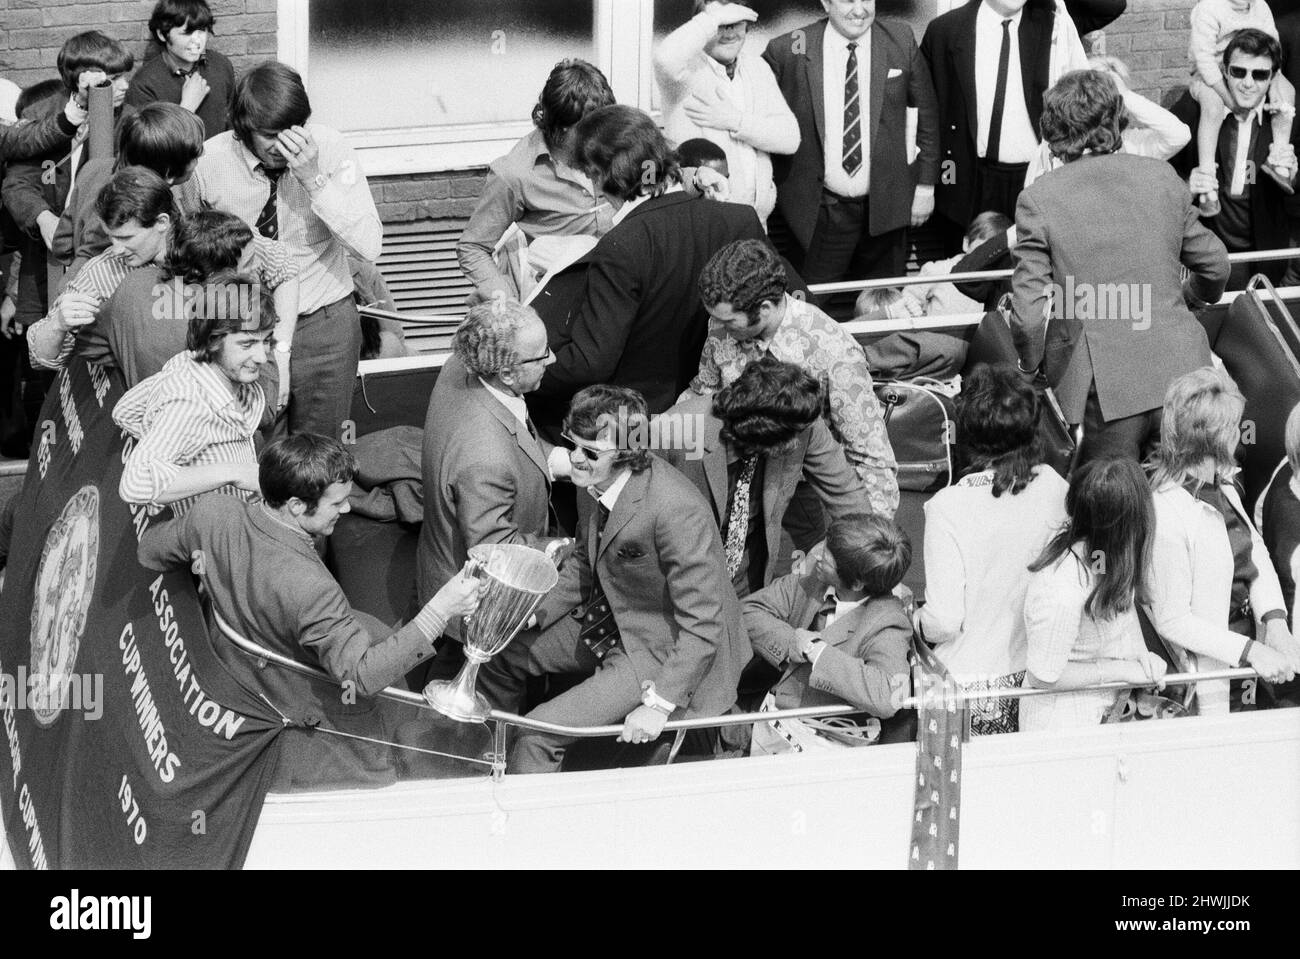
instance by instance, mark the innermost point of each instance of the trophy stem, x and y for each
(457, 699)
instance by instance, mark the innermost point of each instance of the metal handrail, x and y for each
(918, 279)
(953, 694)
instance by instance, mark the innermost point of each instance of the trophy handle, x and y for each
(559, 550)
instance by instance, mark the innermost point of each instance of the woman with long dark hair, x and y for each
(981, 534)
(1081, 619)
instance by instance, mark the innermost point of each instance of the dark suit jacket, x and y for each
(796, 59)
(949, 48)
(1267, 201)
(636, 319)
(815, 456)
(865, 659)
(485, 478)
(1090, 15)
(663, 571)
(1098, 226)
(22, 141)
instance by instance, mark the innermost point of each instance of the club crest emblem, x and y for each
(65, 582)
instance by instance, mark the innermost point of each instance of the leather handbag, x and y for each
(919, 416)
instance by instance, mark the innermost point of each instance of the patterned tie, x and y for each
(852, 115)
(738, 516)
(267, 222)
(599, 631)
(1000, 94)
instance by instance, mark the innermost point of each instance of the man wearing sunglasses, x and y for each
(643, 611)
(1252, 214)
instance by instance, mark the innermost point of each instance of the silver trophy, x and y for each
(517, 577)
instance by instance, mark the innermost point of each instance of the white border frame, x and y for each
(622, 53)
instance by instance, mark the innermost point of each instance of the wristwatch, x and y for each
(650, 698)
(282, 347)
(319, 181)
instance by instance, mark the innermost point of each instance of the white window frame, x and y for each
(623, 34)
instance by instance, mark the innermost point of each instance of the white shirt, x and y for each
(1018, 141)
(978, 548)
(835, 61)
(1241, 161)
(515, 404)
(621, 213)
(608, 498)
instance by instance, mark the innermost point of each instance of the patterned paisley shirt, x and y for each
(809, 338)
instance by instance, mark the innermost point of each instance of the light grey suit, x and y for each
(865, 659)
(485, 478)
(1115, 228)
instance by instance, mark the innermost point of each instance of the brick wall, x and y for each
(1151, 38)
(31, 31)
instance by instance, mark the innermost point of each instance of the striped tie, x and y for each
(267, 221)
(852, 115)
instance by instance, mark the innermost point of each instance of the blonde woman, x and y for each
(1213, 592)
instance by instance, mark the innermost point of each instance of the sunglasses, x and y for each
(591, 452)
(1259, 76)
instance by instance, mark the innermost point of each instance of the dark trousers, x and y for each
(997, 188)
(610, 691)
(323, 369)
(842, 247)
(1129, 437)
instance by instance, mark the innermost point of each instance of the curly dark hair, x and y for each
(768, 405)
(600, 407)
(1082, 111)
(574, 89)
(743, 274)
(205, 243)
(304, 465)
(624, 153)
(997, 426)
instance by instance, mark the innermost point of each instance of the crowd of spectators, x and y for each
(630, 279)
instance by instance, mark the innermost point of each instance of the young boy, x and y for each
(837, 633)
(1213, 22)
(186, 70)
(704, 169)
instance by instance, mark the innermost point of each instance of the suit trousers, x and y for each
(842, 247)
(323, 369)
(1129, 437)
(610, 691)
(997, 188)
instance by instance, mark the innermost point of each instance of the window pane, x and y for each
(402, 63)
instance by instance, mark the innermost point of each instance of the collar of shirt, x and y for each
(836, 44)
(264, 517)
(608, 498)
(182, 71)
(1254, 114)
(988, 20)
(1295, 485)
(631, 205)
(246, 156)
(841, 607)
(221, 392)
(515, 404)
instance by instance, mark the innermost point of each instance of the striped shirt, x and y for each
(102, 275)
(189, 414)
(320, 227)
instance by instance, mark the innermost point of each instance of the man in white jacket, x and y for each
(711, 91)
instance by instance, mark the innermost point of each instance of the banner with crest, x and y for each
(127, 743)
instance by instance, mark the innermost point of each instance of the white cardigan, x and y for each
(767, 124)
(1190, 582)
